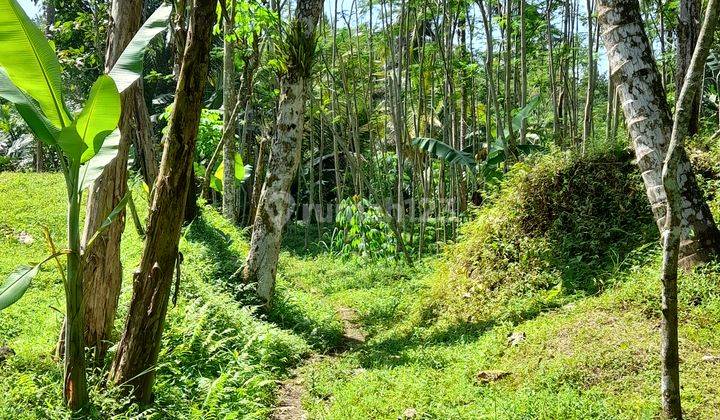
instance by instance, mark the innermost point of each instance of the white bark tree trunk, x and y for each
(642, 98)
(275, 200)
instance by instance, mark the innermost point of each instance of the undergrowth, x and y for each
(559, 308)
(564, 256)
(551, 233)
(218, 360)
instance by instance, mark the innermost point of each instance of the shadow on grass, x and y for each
(305, 315)
(394, 351)
(225, 260)
(291, 310)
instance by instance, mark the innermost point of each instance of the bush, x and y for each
(548, 234)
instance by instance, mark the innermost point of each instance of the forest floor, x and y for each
(347, 338)
(595, 357)
(291, 391)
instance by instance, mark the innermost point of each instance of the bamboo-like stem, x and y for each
(670, 381)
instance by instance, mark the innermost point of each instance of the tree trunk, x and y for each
(641, 94)
(274, 203)
(102, 272)
(229, 191)
(247, 137)
(137, 353)
(191, 207)
(688, 28)
(508, 76)
(523, 70)
(670, 380)
(492, 96)
(141, 134)
(611, 105)
(661, 35)
(258, 177)
(591, 70)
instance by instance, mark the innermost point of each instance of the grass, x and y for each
(590, 326)
(218, 360)
(596, 357)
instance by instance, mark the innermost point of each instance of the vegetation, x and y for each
(525, 252)
(219, 359)
(367, 209)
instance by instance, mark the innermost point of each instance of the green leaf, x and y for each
(215, 182)
(242, 173)
(496, 157)
(199, 170)
(116, 211)
(110, 218)
(30, 62)
(445, 152)
(527, 149)
(524, 112)
(92, 169)
(71, 143)
(129, 66)
(99, 117)
(28, 109)
(17, 283)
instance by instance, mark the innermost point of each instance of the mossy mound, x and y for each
(553, 230)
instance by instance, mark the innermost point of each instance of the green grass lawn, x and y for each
(218, 360)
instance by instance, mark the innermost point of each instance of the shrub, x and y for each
(555, 225)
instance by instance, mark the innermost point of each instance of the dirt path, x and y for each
(291, 390)
(353, 335)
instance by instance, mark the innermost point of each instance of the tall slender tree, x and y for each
(229, 191)
(670, 378)
(274, 202)
(102, 272)
(137, 352)
(688, 28)
(591, 78)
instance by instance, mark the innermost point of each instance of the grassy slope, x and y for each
(218, 360)
(594, 358)
(591, 323)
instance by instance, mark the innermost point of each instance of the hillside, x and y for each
(549, 338)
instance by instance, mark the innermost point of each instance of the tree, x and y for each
(688, 27)
(591, 76)
(102, 274)
(273, 206)
(684, 112)
(229, 191)
(649, 124)
(134, 363)
(30, 79)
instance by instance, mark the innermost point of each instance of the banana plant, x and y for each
(30, 78)
(490, 168)
(242, 173)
